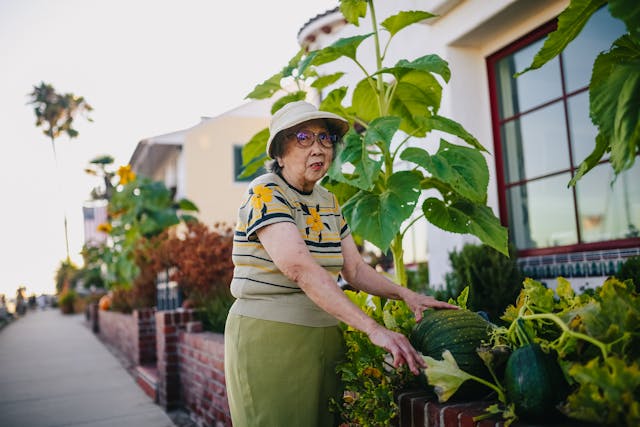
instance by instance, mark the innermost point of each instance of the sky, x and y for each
(147, 67)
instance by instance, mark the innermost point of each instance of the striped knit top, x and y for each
(260, 289)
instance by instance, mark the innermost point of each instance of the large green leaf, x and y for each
(342, 190)
(462, 168)
(254, 153)
(267, 88)
(354, 153)
(431, 63)
(466, 217)
(445, 375)
(395, 23)
(615, 100)
(333, 102)
(353, 10)
(627, 11)
(365, 100)
(449, 126)
(378, 217)
(417, 94)
(592, 160)
(570, 23)
(381, 130)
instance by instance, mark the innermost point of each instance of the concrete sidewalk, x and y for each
(55, 372)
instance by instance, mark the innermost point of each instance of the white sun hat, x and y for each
(297, 112)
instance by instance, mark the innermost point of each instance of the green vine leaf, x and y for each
(464, 217)
(445, 375)
(397, 22)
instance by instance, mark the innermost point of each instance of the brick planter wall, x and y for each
(419, 409)
(133, 335)
(168, 327)
(202, 376)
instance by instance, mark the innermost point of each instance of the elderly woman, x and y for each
(282, 340)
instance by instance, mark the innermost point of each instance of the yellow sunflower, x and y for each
(126, 174)
(105, 227)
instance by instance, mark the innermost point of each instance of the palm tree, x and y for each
(55, 113)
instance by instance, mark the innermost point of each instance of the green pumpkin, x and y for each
(534, 383)
(461, 332)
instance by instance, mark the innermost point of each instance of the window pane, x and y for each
(541, 213)
(578, 57)
(535, 144)
(583, 132)
(530, 89)
(609, 213)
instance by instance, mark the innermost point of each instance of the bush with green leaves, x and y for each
(370, 381)
(630, 270)
(494, 279)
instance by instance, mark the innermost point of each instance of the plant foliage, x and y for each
(596, 337)
(614, 89)
(369, 379)
(494, 280)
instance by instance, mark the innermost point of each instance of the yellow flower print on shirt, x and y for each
(314, 220)
(260, 195)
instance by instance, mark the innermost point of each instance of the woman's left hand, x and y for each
(418, 303)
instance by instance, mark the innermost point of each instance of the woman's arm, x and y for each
(362, 276)
(288, 251)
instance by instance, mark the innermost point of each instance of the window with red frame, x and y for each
(542, 132)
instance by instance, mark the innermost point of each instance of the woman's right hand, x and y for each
(398, 345)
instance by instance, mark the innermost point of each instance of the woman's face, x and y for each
(303, 166)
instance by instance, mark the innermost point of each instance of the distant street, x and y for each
(55, 372)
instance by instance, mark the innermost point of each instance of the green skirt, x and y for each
(280, 374)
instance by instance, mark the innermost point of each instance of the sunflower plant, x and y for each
(139, 208)
(392, 110)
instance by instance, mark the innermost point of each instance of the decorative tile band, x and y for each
(577, 264)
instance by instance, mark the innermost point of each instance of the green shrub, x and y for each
(494, 280)
(67, 301)
(214, 311)
(630, 270)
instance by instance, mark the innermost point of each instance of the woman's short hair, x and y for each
(278, 146)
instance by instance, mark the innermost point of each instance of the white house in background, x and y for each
(536, 127)
(201, 163)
